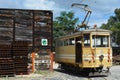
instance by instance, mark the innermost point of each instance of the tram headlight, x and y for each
(101, 57)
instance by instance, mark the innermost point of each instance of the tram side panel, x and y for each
(65, 54)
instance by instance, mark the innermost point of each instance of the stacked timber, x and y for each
(23, 25)
(6, 61)
(7, 67)
(6, 26)
(43, 28)
(5, 51)
(18, 25)
(42, 32)
(20, 50)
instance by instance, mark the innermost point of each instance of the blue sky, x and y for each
(101, 9)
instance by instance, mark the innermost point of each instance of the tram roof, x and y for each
(96, 30)
(84, 31)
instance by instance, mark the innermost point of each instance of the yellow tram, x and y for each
(89, 51)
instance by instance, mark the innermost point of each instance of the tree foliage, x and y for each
(64, 24)
(113, 24)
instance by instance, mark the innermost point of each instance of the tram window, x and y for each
(100, 41)
(59, 43)
(56, 44)
(66, 42)
(71, 41)
(86, 40)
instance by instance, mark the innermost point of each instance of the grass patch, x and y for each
(43, 72)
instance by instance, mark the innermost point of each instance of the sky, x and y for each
(101, 9)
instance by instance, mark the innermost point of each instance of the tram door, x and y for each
(78, 49)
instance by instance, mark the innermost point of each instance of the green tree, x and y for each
(113, 24)
(64, 24)
(117, 12)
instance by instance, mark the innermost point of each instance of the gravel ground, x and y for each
(61, 75)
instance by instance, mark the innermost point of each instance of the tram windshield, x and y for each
(100, 41)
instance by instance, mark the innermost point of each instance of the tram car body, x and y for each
(89, 51)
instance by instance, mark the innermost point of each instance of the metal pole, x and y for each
(33, 62)
(51, 61)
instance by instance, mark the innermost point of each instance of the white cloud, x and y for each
(39, 4)
(101, 9)
(97, 22)
(11, 4)
(43, 5)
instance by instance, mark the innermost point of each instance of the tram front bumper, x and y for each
(104, 72)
